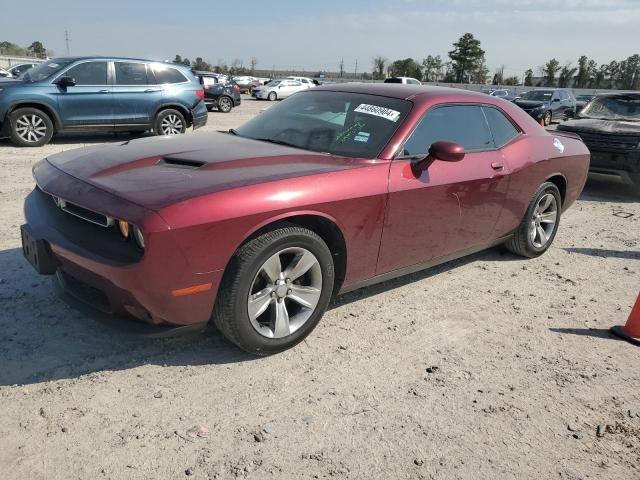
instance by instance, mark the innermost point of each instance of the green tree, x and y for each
(613, 74)
(512, 81)
(178, 60)
(467, 58)
(200, 64)
(37, 50)
(405, 68)
(528, 78)
(584, 72)
(8, 48)
(599, 77)
(253, 62)
(498, 76)
(432, 67)
(566, 75)
(550, 70)
(379, 62)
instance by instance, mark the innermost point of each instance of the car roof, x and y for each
(74, 59)
(402, 91)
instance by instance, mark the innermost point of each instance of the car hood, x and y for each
(529, 103)
(601, 126)
(157, 172)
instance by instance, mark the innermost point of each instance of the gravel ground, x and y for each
(483, 368)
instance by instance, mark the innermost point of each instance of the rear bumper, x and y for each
(94, 267)
(199, 115)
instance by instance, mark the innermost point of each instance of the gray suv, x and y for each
(99, 94)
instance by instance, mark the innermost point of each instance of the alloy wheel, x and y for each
(224, 104)
(171, 125)
(31, 128)
(543, 221)
(285, 292)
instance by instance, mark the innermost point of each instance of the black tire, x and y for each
(41, 127)
(225, 104)
(272, 97)
(546, 119)
(230, 314)
(167, 117)
(521, 242)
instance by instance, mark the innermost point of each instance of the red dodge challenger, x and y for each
(333, 189)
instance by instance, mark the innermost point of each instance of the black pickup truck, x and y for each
(610, 127)
(219, 92)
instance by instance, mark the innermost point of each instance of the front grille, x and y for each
(619, 143)
(83, 213)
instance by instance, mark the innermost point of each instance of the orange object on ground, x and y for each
(631, 330)
(542, 122)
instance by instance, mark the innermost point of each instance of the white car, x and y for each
(308, 82)
(278, 89)
(403, 80)
(5, 74)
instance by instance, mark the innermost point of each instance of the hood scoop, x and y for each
(177, 162)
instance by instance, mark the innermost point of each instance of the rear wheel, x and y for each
(538, 228)
(275, 290)
(272, 96)
(225, 104)
(169, 122)
(30, 127)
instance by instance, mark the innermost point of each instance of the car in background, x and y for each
(306, 81)
(246, 83)
(19, 69)
(582, 100)
(547, 105)
(338, 187)
(403, 80)
(278, 89)
(74, 94)
(5, 73)
(220, 94)
(610, 126)
(500, 93)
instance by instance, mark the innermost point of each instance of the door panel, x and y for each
(136, 98)
(90, 101)
(450, 207)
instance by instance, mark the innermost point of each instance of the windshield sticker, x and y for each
(558, 144)
(389, 114)
(53, 65)
(347, 134)
(361, 137)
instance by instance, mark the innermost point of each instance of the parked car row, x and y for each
(282, 88)
(100, 94)
(16, 70)
(219, 92)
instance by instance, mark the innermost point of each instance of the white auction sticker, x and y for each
(389, 114)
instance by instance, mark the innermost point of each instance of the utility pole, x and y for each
(66, 40)
(355, 72)
(341, 67)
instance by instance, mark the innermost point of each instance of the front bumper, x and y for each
(104, 272)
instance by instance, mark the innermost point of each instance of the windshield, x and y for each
(538, 95)
(622, 107)
(273, 83)
(46, 69)
(340, 123)
(584, 98)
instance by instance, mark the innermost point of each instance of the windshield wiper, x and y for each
(277, 142)
(232, 131)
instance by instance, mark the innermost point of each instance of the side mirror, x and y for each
(66, 82)
(441, 150)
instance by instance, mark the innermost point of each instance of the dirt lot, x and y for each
(490, 367)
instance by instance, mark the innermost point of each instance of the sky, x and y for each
(316, 34)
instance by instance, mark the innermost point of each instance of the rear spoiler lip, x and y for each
(563, 133)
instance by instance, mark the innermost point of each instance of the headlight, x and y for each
(138, 236)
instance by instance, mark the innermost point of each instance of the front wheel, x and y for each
(225, 104)
(272, 96)
(275, 290)
(30, 127)
(538, 228)
(169, 122)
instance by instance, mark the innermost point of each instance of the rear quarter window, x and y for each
(501, 127)
(165, 74)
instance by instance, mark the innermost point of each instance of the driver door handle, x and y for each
(104, 91)
(497, 165)
(151, 90)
